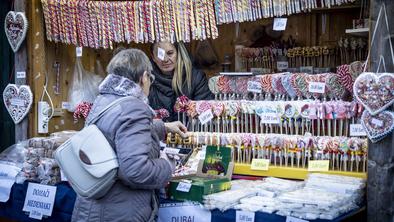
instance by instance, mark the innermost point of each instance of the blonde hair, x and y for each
(183, 63)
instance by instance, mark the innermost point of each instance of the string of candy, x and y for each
(162, 114)
(82, 110)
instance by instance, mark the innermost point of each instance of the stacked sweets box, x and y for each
(213, 175)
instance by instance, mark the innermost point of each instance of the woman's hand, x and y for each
(176, 127)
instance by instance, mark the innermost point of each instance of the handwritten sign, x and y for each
(318, 165)
(254, 86)
(282, 65)
(205, 117)
(317, 87)
(357, 130)
(39, 200)
(294, 219)
(377, 122)
(184, 187)
(260, 164)
(161, 53)
(17, 102)
(280, 24)
(185, 211)
(78, 51)
(244, 216)
(7, 179)
(21, 75)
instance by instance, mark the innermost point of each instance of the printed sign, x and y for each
(205, 117)
(317, 87)
(161, 53)
(39, 200)
(65, 105)
(280, 24)
(377, 122)
(357, 130)
(169, 150)
(260, 164)
(268, 115)
(184, 187)
(283, 65)
(254, 86)
(294, 219)
(306, 69)
(7, 179)
(21, 75)
(318, 165)
(244, 216)
(185, 211)
(79, 51)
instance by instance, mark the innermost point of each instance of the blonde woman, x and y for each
(175, 76)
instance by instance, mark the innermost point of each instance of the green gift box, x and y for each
(213, 175)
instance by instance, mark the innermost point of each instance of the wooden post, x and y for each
(21, 129)
(380, 196)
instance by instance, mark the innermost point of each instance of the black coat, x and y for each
(162, 95)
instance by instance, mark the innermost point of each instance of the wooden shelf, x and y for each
(288, 172)
(363, 32)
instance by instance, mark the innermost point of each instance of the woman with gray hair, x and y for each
(134, 135)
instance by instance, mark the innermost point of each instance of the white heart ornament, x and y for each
(15, 25)
(375, 92)
(18, 101)
(378, 126)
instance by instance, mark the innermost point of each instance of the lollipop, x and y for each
(162, 113)
(286, 83)
(213, 85)
(223, 84)
(266, 83)
(345, 78)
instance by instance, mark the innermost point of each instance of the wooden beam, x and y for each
(21, 66)
(380, 195)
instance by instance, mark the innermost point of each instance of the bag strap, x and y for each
(107, 108)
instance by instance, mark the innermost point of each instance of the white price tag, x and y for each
(7, 179)
(283, 65)
(244, 216)
(17, 102)
(21, 75)
(169, 150)
(254, 86)
(79, 51)
(280, 24)
(65, 105)
(35, 215)
(182, 212)
(270, 118)
(377, 122)
(357, 130)
(205, 117)
(294, 219)
(317, 87)
(307, 69)
(161, 53)
(184, 187)
(39, 199)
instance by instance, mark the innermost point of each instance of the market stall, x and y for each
(294, 107)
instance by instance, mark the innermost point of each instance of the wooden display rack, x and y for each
(288, 172)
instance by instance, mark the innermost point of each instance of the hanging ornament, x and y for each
(378, 126)
(15, 25)
(18, 101)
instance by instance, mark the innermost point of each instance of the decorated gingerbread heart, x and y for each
(378, 126)
(18, 101)
(375, 92)
(15, 25)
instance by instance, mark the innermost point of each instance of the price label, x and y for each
(65, 105)
(205, 117)
(377, 122)
(161, 53)
(35, 215)
(79, 51)
(280, 24)
(306, 69)
(257, 71)
(260, 164)
(21, 75)
(254, 86)
(357, 130)
(184, 187)
(317, 87)
(171, 150)
(244, 216)
(270, 118)
(318, 165)
(283, 65)
(17, 102)
(294, 219)
(39, 200)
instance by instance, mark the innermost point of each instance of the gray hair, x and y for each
(130, 63)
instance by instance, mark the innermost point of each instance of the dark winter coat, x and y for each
(163, 96)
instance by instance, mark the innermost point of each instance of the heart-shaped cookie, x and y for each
(375, 92)
(18, 101)
(378, 126)
(15, 26)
